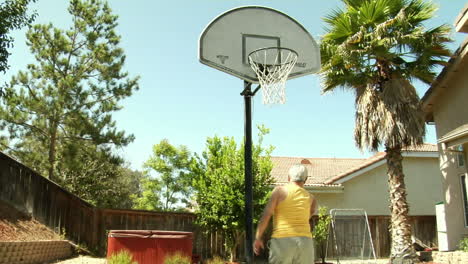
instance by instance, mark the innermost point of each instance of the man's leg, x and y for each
(306, 251)
(282, 250)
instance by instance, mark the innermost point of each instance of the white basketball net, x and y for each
(272, 66)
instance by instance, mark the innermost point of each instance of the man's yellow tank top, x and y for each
(291, 216)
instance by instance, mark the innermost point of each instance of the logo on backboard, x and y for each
(222, 58)
(301, 64)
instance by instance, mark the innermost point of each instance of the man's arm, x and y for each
(265, 219)
(313, 206)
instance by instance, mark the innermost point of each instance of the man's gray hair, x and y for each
(298, 173)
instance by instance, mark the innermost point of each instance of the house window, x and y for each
(465, 198)
(460, 157)
(461, 160)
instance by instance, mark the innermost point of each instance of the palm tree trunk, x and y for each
(402, 250)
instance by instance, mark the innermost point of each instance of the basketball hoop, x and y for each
(232, 45)
(272, 66)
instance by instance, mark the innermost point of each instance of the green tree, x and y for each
(13, 15)
(172, 180)
(132, 180)
(66, 99)
(218, 183)
(99, 177)
(376, 48)
(149, 198)
(321, 231)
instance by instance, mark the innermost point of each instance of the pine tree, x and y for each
(66, 99)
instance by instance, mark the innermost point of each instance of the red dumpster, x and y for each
(149, 246)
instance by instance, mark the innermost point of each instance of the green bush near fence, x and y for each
(321, 231)
(123, 257)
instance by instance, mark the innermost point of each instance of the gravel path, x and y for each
(82, 260)
(91, 260)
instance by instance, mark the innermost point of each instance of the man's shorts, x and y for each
(286, 250)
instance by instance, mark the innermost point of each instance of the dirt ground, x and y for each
(16, 226)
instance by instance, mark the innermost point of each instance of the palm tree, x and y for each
(376, 48)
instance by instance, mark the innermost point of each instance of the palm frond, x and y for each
(420, 11)
(376, 47)
(393, 117)
(333, 16)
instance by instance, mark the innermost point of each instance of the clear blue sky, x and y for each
(185, 101)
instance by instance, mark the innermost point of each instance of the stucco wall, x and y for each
(453, 198)
(370, 190)
(450, 112)
(451, 109)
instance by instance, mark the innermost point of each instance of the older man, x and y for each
(291, 207)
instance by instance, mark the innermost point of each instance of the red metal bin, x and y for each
(149, 246)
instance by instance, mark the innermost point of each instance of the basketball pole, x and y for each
(248, 177)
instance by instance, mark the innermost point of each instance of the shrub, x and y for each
(122, 257)
(321, 231)
(463, 245)
(215, 260)
(177, 258)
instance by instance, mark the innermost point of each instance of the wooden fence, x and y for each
(87, 225)
(351, 240)
(114, 219)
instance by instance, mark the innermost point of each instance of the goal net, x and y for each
(350, 238)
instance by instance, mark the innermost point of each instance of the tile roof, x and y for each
(423, 148)
(325, 171)
(319, 169)
(376, 158)
(313, 184)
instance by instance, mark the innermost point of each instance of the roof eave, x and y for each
(336, 188)
(320, 188)
(455, 137)
(381, 161)
(461, 22)
(440, 83)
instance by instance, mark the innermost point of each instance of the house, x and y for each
(446, 105)
(363, 183)
(339, 183)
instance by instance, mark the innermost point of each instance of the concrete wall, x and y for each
(457, 257)
(450, 112)
(369, 191)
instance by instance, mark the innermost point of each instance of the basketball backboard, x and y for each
(227, 41)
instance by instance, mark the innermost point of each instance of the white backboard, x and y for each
(228, 40)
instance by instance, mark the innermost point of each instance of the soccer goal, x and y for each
(350, 237)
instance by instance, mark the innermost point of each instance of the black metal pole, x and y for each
(247, 93)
